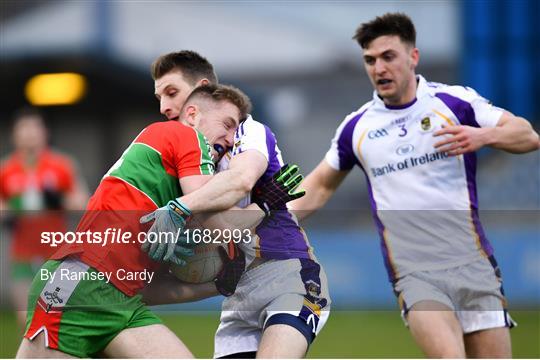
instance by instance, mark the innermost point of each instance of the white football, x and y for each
(202, 267)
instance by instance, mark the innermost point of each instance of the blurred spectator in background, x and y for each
(37, 186)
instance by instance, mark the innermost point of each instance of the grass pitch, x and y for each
(366, 334)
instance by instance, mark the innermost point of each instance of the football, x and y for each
(202, 267)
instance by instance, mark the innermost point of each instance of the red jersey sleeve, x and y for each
(184, 151)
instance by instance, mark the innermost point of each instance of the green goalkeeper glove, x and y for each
(279, 190)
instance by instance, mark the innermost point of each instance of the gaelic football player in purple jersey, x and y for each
(416, 142)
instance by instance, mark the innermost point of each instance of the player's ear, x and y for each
(415, 57)
(191, 114)
(202, 82)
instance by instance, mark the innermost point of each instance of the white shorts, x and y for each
(292, 292)
(473, 291)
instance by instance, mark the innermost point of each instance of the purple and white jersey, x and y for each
(280, 236)
(424, 202)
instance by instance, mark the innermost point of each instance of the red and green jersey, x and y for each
(145, 178)
(35, 194)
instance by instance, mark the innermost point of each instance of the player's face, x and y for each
(218, 123)
(390, 65)
(29, 134)
(172, 91)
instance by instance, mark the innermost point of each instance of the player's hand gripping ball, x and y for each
(234, 265)
(165, 240)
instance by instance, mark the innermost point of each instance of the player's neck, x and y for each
(185, 122)
(30, 157)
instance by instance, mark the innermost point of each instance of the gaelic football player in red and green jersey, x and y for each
(85, 301)
(268, 330)
(37, 186)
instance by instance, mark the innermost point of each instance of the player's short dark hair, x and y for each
(193, 66)
(216, 92)
(388, 24)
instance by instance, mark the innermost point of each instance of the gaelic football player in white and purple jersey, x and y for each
(281, 302)
(416, 141)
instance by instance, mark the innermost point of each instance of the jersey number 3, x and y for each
(403, 130)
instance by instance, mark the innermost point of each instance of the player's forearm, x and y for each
(222, 192)
(166, 289)
(316, 197)
(234, 218)
(320, 185)
(515, 137)
(306, 206)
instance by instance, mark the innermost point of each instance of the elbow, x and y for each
(529, 143)
(534, 141)
(243, 183)
(532, 145)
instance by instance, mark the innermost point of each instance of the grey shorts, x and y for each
(292, 292)
(473, 291)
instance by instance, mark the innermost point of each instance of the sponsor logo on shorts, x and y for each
(313, 288)
(314, 322)
(50, 300)
(52, 297)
